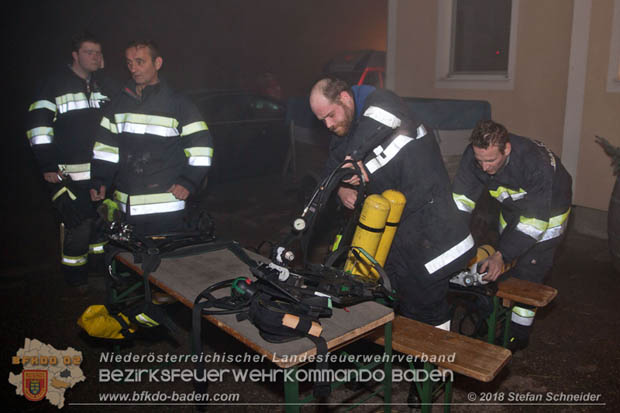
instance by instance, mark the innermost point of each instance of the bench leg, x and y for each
(387, 369)
(447, 397)
(427, 390)
(507, 327)
(291, 393)
(492, 321)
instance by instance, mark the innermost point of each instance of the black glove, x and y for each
(64, 201)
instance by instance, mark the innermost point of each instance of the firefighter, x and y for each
(396, 151)
(152, 146)
(534, 191)
(61, 125)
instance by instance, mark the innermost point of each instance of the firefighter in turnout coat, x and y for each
(376, 128)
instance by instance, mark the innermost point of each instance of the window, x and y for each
(476, 43)
(613, 77)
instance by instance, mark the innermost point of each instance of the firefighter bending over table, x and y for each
(432, 241)
(534, 191)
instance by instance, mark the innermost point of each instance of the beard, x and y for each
(343, 128)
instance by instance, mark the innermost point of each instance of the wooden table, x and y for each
(184, 278)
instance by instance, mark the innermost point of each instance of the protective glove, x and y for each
(65, 203)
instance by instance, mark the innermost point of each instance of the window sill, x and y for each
(492, 82)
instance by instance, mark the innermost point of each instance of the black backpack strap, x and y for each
(199, 387)
(321, 389)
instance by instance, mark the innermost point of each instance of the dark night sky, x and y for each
(213, 44)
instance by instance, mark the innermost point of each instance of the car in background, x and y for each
(249, 132)
(359, 67)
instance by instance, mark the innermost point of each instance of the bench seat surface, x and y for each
(473, 358)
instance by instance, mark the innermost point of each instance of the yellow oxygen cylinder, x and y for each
(368, 233)
(397, 205)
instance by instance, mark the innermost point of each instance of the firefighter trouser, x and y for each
(420, 296)
(532, 266)
(80, 243)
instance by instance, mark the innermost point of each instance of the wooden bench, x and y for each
(512, 291)
(473, 358)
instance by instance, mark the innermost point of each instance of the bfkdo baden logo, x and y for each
(47, 372)
(34, 384)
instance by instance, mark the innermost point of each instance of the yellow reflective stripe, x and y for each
(463, 203)
(533, 227)
(97, 248)
(74, 261)
(71, 97)
(42, 104)
(72, 101)
(102, 147)
(121, 196)
(105, 123)
(62, 191)
(522, 316)
(146, 320)
(151, 199)
(73, 168)
(104, 152)
(146, 119)
(146, 124)
(523, 312)
(558, 220)
(501, 193)
(535, 223)
(502, 223)
(199, 151)
(41, 130)
(193, 128)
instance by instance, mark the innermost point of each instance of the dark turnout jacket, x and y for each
(533, 188)
(431, 235)
(148, 143)
(63, 119)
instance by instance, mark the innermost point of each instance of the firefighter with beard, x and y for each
(396, 151)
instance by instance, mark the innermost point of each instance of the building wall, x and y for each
(536, 105)
(601, 115)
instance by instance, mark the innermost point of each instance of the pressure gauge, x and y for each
(299, 224)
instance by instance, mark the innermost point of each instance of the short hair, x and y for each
(150, 44)
(331, 87)
(79, 38)
(488, 133)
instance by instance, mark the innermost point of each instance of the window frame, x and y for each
(445, 79)
(613, 75)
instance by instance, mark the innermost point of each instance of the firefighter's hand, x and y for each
(52, 177)
(493, 266)
(179, 192)
(355, 179)
(97, 195)
(348, 196)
